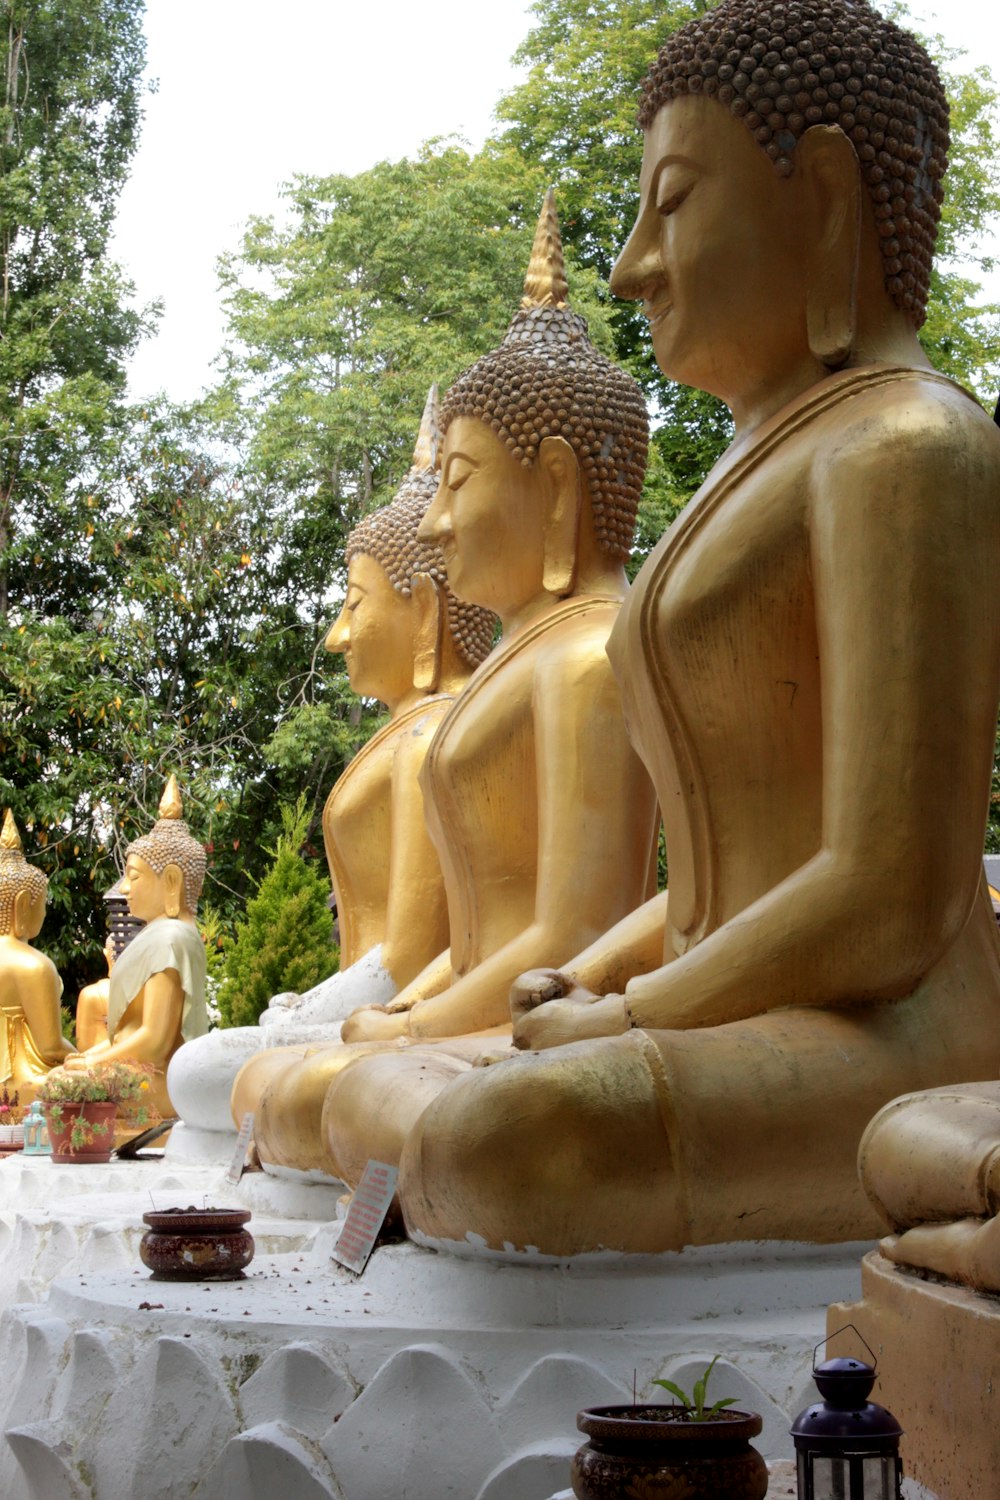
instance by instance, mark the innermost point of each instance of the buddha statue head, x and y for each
(544, 453)
(791, 191)
(402, 629)
(23, 887)
(165, 868)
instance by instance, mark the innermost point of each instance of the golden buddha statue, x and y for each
(541, 470)
(930, 1163)
(92, 1003)
(157, 987)
(31, 1039)
(411, 643)
(809, 664)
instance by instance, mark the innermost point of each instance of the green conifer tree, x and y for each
(285, 941)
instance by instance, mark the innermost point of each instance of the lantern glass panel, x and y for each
(829, 1479)
(880, 1477)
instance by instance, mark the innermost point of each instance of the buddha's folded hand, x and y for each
(538, 986)
(374, 1024)
(576, 1017)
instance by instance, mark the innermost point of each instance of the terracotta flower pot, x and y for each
(99, 1122)
(641, 1453)
(197, 1244)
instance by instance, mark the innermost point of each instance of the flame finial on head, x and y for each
(428, 446)
(10, 838)
(545, 284)
(170, 803)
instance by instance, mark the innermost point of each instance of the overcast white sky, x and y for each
(250, 94)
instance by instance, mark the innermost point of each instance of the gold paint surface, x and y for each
(31, 1040)
(545, 282)
(809, 665)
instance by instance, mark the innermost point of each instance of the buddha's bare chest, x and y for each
(358, 811)
(480, 775)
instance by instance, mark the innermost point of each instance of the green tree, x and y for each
(69, 119)
(962, 332)
(285, 941)
(188, 654)
(381, 284)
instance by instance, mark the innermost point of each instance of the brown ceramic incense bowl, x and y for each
(197, 1244)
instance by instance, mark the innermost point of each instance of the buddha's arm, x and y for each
(153, 1039)
(593, 848)
(633, 946)
(902, 548)
(416, 921)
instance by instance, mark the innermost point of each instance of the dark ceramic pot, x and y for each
(100, 1120)
(636, 1453)
(197, 1244)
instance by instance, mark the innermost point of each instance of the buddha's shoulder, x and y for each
(575, 649)
(22, 961)
(913, 414)
(579, 627)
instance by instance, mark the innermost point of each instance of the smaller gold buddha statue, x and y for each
(543, 817)
(31, 1040)
(157, 987)
(409, 642)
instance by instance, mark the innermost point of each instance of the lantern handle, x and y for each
(844, 1329)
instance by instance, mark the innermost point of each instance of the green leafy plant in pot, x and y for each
(662, 1452)
(81, 1105)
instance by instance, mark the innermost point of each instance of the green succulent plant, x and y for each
(695, 1403)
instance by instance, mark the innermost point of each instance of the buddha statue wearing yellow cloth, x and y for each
(31, 1040)
(157, 986)
(809, 663)
(541, 470)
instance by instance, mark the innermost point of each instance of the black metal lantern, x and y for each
(846, 1447)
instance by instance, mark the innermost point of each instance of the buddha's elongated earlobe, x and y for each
(22, 907)
(833, 191)
(428, 623)
(561, 474)
(173, 890)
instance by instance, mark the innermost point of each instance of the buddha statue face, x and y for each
(375, 633)
(544, 453)
(165, 868)
(791, 191)
(489, 515)
(717, 255)
(151, 895)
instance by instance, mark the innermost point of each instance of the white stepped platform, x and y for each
(429, 1378)
(57, 1219)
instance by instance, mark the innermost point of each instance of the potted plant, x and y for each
(663, 1452)
(11, 1130)
(81, 1104)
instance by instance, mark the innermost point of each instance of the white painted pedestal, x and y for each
(429, 1378)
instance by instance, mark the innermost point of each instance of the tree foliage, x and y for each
(285, 942)
(69, 120)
